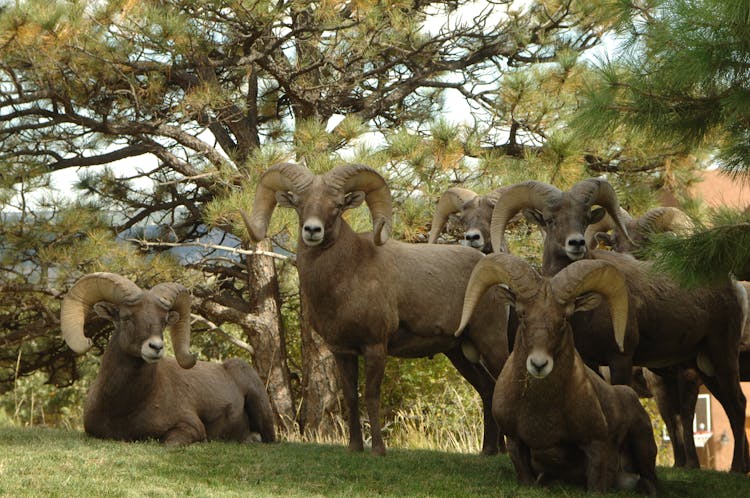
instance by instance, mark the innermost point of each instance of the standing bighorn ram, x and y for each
(669, 326)
(676, 396)
(371, 296)
(139, 393)
(561, 419)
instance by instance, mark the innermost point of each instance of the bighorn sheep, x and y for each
(640, 230)
(371, 296)
(676, 395)
(139, 393)
(662, 331)
(561, 419)
(474, 212)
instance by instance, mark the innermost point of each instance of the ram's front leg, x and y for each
(374, 371)
(598, 454)
(184, 433)
(520, 455)
(348, 366)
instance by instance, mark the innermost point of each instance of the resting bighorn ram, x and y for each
(561, 419)
(662, 330)
(139, 393)
(371, 296)
(474, 212)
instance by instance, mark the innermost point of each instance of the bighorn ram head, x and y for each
(545, 305)
(140, 316)
(656, 220)
(474, 212)
(563, 216)
(320, 200)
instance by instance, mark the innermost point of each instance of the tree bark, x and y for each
(268, 336)
(321, 411)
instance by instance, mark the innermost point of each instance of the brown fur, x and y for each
(394, 299)
(675, 389)
(132, 399)
(662, 332)
(475, 216)
(570, 424)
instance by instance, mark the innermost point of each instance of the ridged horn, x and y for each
(176, 297)
(604, 225)
(284, 177)
(664, 219)
(87, 291)
(597, 192)
(529, 194)
(596, 276)
(494, 196)
(353, 177)
(494, 269)
(452, 201)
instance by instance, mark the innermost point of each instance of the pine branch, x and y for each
(706, 257)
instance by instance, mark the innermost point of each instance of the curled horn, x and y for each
(664, 219)
(600, 277)
(494, 269)
(528, 194)
(354, 177)
(284, 177)
(597, 192)
(176, 297)
(87, 291)
(452, 201)
(604, 225)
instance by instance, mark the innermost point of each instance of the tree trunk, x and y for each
(268, 337)
(321, 414)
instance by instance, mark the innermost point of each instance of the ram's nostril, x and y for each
(472, 236)
(539, 365)
(156, 345)
(576, 242)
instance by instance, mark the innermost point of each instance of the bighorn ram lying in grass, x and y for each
(663, 330)
(139, 393)
(372, 296)
(474, 212)
(561, 419)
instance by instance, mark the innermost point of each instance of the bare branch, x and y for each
(234, 250)
(212, 327)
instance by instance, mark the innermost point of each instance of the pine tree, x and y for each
(208, 94)
(681, 78)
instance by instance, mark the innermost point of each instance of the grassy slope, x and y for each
(47, 462)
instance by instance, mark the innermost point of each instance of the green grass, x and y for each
(53, 462)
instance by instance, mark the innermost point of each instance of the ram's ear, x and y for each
(286, 199)
(354, 199)
(587, 301)
(106, 310)
(597, 215)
